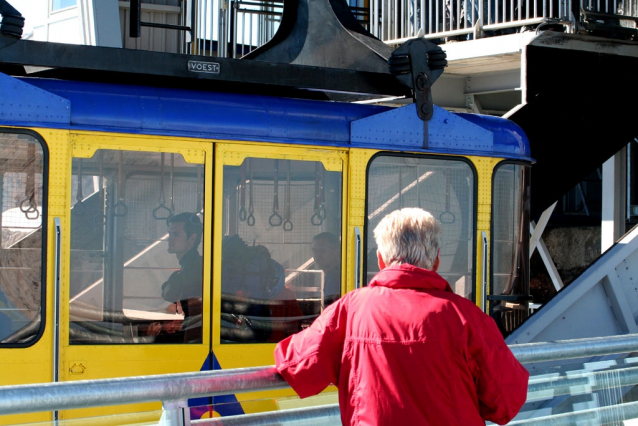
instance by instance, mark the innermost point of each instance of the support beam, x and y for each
(619, 304)
(538, 229)
(613, 213)
(547, 259)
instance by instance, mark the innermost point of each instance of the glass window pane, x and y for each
(510, 247)
(21, 198)
(443, 187)
(136, 276)
(62, 4)
(281, 250)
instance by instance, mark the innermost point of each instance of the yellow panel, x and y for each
(235, 154)
(85, 145)
(484, 168)
(356, 205)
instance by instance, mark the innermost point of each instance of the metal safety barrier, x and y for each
(174, 389)
(132, 390)
(599, 416)
(575, 348)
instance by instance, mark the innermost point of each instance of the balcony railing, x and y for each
(245, 25)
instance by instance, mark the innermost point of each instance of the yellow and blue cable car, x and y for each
(149, 230)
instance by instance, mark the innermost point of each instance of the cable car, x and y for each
(156, 228)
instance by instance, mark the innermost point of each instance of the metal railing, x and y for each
(395, 21)
(245, 25)
(174, 389)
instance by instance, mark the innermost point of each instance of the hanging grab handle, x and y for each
(29, 206)
(320, 210)
(447, 216)
(250, 220)
(275, 218)
(287, 222)
(120, 209)
(79, 207)
(100, 218)
(242, 191)
(161, 208)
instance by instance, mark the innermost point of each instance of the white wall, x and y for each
(92, 22)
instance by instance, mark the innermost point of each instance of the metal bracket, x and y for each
(418, 63)
(12, 21)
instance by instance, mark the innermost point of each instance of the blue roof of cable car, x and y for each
(204, 114)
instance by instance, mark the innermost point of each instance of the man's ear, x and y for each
(192, 241)
(437, 262)
(380, 259)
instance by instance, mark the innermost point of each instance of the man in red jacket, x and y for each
(406, 349)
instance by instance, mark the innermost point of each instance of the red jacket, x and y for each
(407, 350)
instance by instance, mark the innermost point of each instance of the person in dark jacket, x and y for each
(184, 236)
(406, 349)
(184, 287)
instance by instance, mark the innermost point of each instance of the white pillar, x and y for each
(614, 199)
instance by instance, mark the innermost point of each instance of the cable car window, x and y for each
(136, 255)
(442, 186)
(21, 237)
(281, 249)
(510, 246)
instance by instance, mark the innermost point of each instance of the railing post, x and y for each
(176, 413)
(222, 34)
(478, 28)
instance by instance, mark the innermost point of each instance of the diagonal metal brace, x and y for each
(418, 63)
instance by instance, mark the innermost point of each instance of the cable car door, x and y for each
(445, 186)
(278, 244)
(26, 275)
(134, 298)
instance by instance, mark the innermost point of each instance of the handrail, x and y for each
(575, 348)
(172, 387)
(31, 398)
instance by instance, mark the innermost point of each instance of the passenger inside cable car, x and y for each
(183, 289)
(270, 289)
(132, 280)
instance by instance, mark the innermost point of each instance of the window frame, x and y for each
(475, 188)
(233, 154)
(100, 145)
(492, 240)
(45, 228)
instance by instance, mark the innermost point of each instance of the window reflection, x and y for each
(21, 198)
(136, 260)
(443, 187)
(281, 251)
(509, 294)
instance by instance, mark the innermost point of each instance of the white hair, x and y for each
(408, 236)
